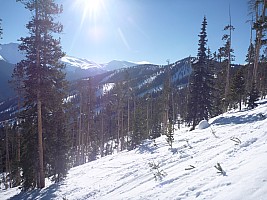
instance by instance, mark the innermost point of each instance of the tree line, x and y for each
(59, 125)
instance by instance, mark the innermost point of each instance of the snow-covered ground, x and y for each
(237, 141)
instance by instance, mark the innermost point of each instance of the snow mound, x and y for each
(203, 124)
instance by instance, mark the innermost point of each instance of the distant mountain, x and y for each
(10, 53)
(76, 68)
(116, 64)
(6, 70)
(79, 63)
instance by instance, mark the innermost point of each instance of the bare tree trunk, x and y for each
(128, 123)
(259, 34)
(18, 147)
(147, 117)
(80, 132)
(102, 136)
(122, 130)
(8, 171)
(118, 130)
(40, 142)
(41, 181)
(227, 85)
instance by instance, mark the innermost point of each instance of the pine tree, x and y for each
(237, 89)
(253, 96)
(44, 84)
(259, 11)
(250, 58)
(1, 29)
(200, 86)
(170, 134)
(228, 54)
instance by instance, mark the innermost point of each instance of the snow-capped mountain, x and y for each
(116, 64)
(10, 53)
(72, 63)
(75, 67)
(81, 68)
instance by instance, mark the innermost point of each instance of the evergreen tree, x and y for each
(166, 100)
(258, 9)
(253, 96)
(139, 129)
(238, 88)
(170, 134)
(228, 54)
(44, 84)
(200, 86)
(1, 29)
(250, 58)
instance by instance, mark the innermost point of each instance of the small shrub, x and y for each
(157, 172)
(220, 170)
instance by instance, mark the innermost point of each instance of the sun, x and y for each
(91, 9)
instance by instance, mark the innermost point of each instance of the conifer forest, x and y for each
(58, 124)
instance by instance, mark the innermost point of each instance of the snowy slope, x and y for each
(79, 63)
(116, 64)
(11, 53)
(127, 175)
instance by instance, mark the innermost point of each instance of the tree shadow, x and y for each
(44, 194)
(148, 146)
(243, 119)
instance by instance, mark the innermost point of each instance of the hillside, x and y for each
(6, 90)
(76, 68)
(143, 79)
(236, 140)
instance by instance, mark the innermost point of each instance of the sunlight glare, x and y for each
(91, 9)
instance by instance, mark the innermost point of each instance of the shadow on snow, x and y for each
(239, 120)
(44, 194)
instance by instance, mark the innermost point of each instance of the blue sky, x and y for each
(137, 30)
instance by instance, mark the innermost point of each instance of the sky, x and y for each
(137, 30)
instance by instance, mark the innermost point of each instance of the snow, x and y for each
(105, 88)
(10, 52)
(79, 63)
(117, 64)
(237, 141)
(185, 69)
(147, 81)
(203, 124)
(142, 63)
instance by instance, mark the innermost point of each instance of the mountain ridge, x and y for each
(76, 68)
(11, 54)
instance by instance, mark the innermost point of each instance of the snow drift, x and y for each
(203, 124)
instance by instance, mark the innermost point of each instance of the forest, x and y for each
(59, 124)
